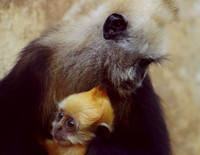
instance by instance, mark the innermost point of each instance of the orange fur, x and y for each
(54, 148)
(91, 109)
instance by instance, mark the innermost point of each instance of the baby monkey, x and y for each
(80, 118)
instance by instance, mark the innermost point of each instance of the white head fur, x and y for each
(116, 61)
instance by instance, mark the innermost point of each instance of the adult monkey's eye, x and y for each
(60, 115)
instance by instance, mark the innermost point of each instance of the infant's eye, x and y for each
(70, 124)
(60, 115)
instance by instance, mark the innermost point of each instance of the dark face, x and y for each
(131, 67)
(115, 54)
(64, 125)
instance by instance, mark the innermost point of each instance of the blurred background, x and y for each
(177, 83)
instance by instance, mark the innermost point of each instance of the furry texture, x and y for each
(90, 109)
(74, 58)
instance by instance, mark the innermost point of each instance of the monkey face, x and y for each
(64, 127)
(68, 130)
(83, 116)
(135, 69)
(111, 45)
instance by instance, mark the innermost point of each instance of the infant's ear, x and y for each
(103, 130)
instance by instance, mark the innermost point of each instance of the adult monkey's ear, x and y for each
(114, 25)
(103, 130)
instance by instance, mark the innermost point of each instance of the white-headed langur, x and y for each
(111, 44)
(80, 118)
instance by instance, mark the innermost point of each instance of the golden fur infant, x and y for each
(80, 118)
